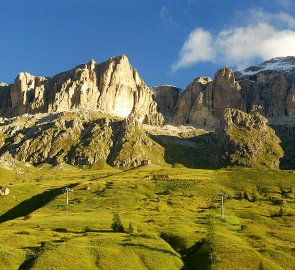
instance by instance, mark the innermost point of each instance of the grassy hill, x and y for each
(170, 218)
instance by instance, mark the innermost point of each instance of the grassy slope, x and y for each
(79, 236)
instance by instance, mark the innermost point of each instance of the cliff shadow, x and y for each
(199, 152)
(28, 206)
(287, 136)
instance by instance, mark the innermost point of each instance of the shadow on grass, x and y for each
(28, 206)
(196, 257)
(149, 248)
(30, 258)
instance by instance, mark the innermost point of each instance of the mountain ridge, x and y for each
(114, 90)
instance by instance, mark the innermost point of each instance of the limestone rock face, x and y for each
(167, 97)
(247, 140)
(28, 94)
(204, 101)
(226, 92)
(195, 104)
(112, 87)
(5, 98)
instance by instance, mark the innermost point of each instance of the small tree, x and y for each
(117, 225)
(131, 229)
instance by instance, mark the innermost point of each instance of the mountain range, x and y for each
(105, 113)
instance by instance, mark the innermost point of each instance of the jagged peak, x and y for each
(91, 64)
(202, 80)
(224, 75)
(119, 59)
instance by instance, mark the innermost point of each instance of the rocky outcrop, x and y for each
(247, 140)
(112, 87)
(167, 97)
(4, 191)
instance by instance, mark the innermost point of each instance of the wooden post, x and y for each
(67, 194)
(223, 196)
(67, 197)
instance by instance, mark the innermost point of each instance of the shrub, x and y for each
(286, 192)
(27, 217)
(117, 225)
(60, 229)
(131, 229)
(243, 227)
(88, 229)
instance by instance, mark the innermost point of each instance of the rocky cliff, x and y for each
(112, 87)
(247, 140)
(268, 88)
(166, 98)
(115, 88)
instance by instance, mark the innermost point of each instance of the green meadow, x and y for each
(169, 209)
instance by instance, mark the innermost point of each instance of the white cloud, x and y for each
(269, 35)
(198, 47)
(239, 47)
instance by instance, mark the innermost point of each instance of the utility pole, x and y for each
(67, 189)
(223, 197)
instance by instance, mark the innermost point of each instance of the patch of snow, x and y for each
(280, 64)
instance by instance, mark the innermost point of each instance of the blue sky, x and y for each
(167, 41)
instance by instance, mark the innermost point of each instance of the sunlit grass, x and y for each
(79, 236)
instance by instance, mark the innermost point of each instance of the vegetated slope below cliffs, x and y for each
(91, 138)
(247, 140)
(78, 138)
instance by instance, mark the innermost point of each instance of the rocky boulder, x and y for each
(4, 191)
(247, 140)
